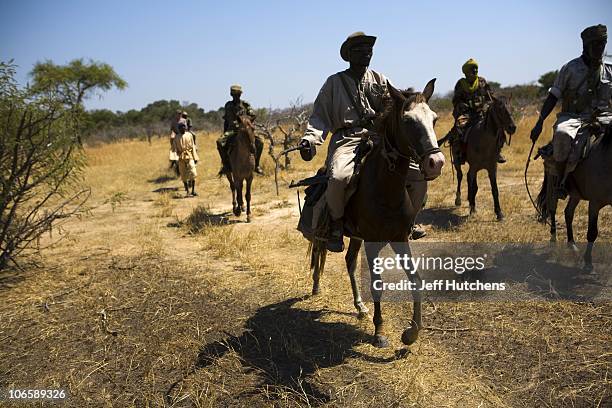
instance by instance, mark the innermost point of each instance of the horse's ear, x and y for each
(429, 89)
(395, 93)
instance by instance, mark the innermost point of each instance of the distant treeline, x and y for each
(153, 120)
(103, 125)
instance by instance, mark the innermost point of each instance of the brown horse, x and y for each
(483, 139)
(242, 162)
(590, 181)
(381, 210)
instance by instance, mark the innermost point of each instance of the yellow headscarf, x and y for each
(467, 68)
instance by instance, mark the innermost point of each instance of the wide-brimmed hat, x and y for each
(596, 32)
(235, 88)
(358, 37)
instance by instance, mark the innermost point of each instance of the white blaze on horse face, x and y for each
(424, 117)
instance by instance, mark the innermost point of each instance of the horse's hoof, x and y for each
(500, 216)
(457, 201)
(237, 212)
(316, 291)
(572, 246)
(362, 310)
(248, 218)
(553, 239)
(411, 334)
(588, 267)
(380, 341)
(472, 210)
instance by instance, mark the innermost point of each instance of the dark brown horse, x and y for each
(482, 146)
(242, 162)
(590, 181)
(381, 211)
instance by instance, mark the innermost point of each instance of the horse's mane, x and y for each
(386, 122)
(248, 126)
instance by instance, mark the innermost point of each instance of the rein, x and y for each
(527, 184)
(392, 154)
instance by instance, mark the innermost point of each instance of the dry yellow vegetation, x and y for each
(157, 300)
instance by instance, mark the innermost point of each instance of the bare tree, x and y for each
(39, 165)
(284, 130)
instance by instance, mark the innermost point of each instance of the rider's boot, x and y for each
(560, 190)
(225, 165)
(334, 240)
(258, 150)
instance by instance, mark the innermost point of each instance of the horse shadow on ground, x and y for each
(443, 218)
(198, 221)
(548, 272)
(287, 345)
(162, 190)
(162, 179)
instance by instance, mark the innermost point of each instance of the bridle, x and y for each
(392, 154)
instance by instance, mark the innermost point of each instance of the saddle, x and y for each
(580, 150)
(314, 216)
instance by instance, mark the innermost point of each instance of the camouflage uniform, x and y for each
(230, 128)
(468, 109)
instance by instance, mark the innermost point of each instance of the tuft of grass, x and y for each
(164, 201)
(116, 199)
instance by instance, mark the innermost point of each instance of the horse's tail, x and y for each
(542, 199)
(318, 253)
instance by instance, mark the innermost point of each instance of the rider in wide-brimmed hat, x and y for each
(344, 108)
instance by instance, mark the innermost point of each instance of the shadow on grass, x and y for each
(9, 279)
(286, 345)
(162, 190)
(443, 218)
(201, 217)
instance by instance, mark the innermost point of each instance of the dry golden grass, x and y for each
(161, 300)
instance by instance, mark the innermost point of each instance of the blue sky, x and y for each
(281, 50)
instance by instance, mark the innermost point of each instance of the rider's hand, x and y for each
(535, 132)
(307, 150)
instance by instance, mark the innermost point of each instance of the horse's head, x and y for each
(502, 115)
(409, 125)
(245, 126)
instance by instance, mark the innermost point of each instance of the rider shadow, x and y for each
(287, 345)
(443, 218)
